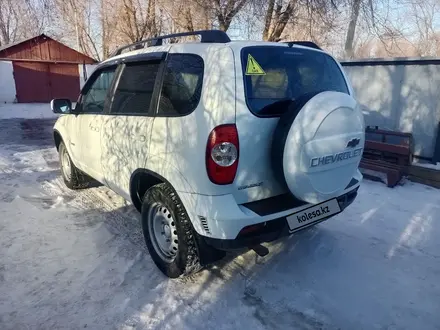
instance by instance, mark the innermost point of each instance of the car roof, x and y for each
(235, 45)
(154, 49)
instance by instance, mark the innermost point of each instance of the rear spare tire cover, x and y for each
(318, 144)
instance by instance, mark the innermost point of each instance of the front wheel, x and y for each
(73, 178)
(168, 232)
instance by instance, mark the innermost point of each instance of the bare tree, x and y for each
(317, 22)
(425, 14)
(8, 21)
(277, 16)
(354, 16)
(376, 23)
(89, 25)
(137, 19)
(21, 19)
(348, 28)
(279, 13)
(76, 18)
(226, 10)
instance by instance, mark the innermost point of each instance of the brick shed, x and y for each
(44, 69)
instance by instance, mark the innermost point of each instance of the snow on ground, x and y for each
(428, 165)
(71, 260)
(23, 110)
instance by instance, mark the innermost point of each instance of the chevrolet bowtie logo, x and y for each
(353, 143)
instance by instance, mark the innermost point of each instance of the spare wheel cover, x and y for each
(317, 150)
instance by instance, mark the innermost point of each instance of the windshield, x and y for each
(273, 74)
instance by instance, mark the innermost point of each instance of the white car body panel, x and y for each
(91, 126)
(181, 141)
(225, 218)
(68, 126)
(125, 142)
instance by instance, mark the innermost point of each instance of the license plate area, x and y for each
(312, 214)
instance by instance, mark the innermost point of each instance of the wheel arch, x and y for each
(57, 138)
(141, 180)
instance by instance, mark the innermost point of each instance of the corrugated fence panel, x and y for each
(404, 97)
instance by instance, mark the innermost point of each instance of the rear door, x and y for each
(268, 79)
(126, 129)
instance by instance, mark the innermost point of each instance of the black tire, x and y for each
(75, 179)
(282, 130)
(186, 260)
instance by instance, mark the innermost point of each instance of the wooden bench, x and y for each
(387, 152)
(392, 172)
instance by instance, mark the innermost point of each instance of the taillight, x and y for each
(222, 154)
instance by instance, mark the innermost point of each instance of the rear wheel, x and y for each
(168, 232)
(73, 178)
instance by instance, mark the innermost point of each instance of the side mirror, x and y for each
(62, 106)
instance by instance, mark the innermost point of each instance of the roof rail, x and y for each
(206, 36)
(309, 44)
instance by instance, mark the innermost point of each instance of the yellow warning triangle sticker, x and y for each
(253, 68)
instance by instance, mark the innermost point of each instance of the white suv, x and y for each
(220, 145)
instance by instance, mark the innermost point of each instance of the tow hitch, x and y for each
(259, 249)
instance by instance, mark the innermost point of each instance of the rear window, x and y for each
(273, 74)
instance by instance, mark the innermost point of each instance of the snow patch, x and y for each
(77, 260)
(428, 165)
(24, 110)
(376, 174)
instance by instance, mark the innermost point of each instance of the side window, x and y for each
(182, 85)
(135, 89)
(93, 100)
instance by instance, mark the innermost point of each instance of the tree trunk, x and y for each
(105, 47)
(268, 19)
(226, 15)
(189, 26)
(151, 18)
(352, 28)
(206, 19)
(281, 18)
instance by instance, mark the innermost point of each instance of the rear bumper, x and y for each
(272, 230)
(221, 218)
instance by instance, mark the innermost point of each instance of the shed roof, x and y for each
(26, 50)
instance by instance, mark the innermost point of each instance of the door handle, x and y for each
(94, 128)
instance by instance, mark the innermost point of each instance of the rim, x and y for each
(163, 232)
(66, 165)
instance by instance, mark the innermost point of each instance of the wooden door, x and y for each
(64, 81)
(32, 82)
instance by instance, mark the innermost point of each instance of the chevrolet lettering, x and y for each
(331, 159)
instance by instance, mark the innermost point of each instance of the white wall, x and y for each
(400, 96)
(89, 69)
(7, 82)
